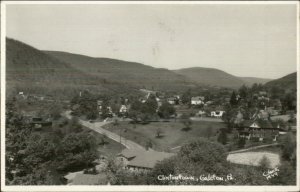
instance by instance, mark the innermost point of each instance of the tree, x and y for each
(243, 91)
(287, 175)
(241, 142)
(233, 99)
(186, 97)
(264, 163)
(208, 132)
(115, 122)
(149, 144)
(159, 132)
(222, 138)
(73, 126)
(55, 111)
(288, 146)
(199, 157)
(150, 106)
(105, 109)
(166, 110)
(229, 116)
(186, 121)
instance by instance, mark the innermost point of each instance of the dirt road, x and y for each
(97, 126)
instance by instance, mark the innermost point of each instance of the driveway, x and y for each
(97, 126)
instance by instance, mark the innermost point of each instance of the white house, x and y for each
(217, 114)
(172, 100)
(123, 109)
(197, 100)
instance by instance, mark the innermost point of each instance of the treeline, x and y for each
(86, 105)
(41, 158)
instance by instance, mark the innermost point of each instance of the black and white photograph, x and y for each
(160, 95)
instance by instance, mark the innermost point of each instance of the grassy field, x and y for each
(110, 148)
(172, 136)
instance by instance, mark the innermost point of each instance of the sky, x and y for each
(243, 40)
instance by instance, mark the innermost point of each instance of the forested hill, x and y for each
(131, 73)
(216, 77)
(29, 69)
(288, 82)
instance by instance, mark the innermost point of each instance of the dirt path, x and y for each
(251, 148)
(97, 126)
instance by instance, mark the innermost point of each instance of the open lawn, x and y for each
(106, 146)
(254, 158)
(172, 133)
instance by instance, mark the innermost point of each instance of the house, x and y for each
(260, 129)
(123, 109)
(38, 123)
(172, 100)
(99, 106)
(209, 103)
(139, 160)
(197, 100)
(217, 114)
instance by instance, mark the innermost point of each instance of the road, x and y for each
(97, 126)
(211, 119)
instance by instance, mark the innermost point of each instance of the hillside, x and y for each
(29, 69)
(129, 73)
(251, 80)
(216, 77)
(288, 82)
(209, 76)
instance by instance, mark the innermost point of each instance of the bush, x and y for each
(264, 163)
(241, 143)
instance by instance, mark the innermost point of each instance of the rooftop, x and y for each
(88, 179)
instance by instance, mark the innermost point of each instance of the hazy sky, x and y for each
(244, 40)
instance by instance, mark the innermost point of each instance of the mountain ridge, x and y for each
(217, 77)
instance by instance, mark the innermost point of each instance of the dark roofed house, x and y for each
(258, 129)
(38, 123)
(141, 160)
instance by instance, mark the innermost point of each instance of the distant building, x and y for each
(99, 106)
(217, 114)
(172, 100)
(197, 100)
(141, 160)
(260, 129)
(123, 109)
(38, 123)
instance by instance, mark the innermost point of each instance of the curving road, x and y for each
(97, 126)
